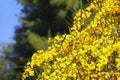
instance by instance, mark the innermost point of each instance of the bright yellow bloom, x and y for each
(90, 51)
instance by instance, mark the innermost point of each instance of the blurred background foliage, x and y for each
(41, 19)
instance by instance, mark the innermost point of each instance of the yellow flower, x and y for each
(63, 65)
(85, 52)
(31, 73)
(91, 66)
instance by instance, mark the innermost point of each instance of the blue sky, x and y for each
(9, 9)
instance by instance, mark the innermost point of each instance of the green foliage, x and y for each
(41, 19)
(37, 41)
(7, 49)
(70, 4)
(62, 13)
(22, 46)
(2, 64)
(10, 75)
(7, 63)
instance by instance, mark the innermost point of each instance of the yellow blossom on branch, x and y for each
(90, 51)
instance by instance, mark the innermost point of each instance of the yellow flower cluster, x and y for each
(90, 51)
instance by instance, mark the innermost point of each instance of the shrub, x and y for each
(90, 51)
